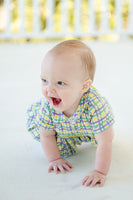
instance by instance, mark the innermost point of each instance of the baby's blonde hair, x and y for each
(87, 56)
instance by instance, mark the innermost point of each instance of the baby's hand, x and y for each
(61, 165)
(94, 178)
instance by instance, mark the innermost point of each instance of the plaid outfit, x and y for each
(92, 116)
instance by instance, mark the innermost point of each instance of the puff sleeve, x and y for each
(102, 116)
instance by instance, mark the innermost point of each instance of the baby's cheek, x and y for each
(67, 99)
(44, 92)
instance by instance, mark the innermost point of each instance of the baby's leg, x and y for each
(66, 146)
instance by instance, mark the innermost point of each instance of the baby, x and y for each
(72, 111)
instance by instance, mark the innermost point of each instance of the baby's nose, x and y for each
(50, 90)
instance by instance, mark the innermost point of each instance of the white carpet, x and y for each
(23, 166)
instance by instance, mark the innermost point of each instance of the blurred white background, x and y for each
(23, 164)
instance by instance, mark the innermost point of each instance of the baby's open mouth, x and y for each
(56, 101)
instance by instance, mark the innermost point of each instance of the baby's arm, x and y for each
(49, 145)
(103, 159)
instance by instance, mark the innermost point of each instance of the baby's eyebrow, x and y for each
(41, 77)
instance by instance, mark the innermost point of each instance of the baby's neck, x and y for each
(72, 110)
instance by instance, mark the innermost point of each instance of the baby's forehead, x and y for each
(62, 60)
(68, 55)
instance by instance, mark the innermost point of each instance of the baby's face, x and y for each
(61, 81)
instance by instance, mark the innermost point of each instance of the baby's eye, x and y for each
(61, 83)
(44, 80)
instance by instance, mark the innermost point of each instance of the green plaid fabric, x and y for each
(93, 115)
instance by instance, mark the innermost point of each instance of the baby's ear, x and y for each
(86, 85)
